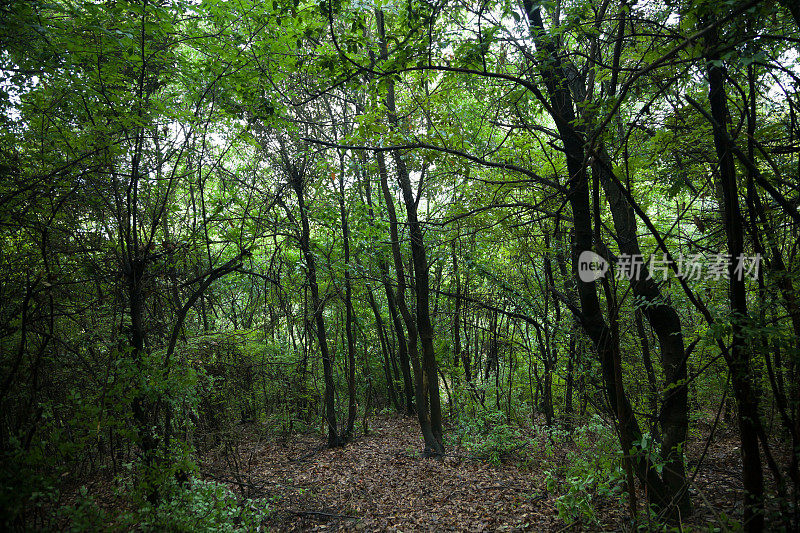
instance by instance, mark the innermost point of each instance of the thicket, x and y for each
(219, 217)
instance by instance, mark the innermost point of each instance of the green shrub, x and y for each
(202, 506)
(85, 514)
(593, 469)
(488, 436)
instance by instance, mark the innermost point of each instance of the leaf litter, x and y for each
(379, 482)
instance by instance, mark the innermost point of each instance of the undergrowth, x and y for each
(196, 506)
(488, 436)
(590, 469)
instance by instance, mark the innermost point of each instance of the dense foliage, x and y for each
(292, 215)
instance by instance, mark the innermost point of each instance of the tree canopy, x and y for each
(563, 216)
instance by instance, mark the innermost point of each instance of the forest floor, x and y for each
(379, 482)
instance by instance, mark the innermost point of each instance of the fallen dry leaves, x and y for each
(379, 483)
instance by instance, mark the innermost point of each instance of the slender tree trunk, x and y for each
(465, 357)
(420, 390)
(652, 391)
(593, 321)
(402, 344)
(545, 382)
(429, 372)
(134, 269)
(739, 358)
(776, 264)
(384, 348)
(387, 365)
(568, 409)
(297, 177)
(551, 349)
(660, 314)
(142, 407)
(348, 326)
(666, 323)
(456, 322)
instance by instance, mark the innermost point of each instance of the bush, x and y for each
(488, 437)
(593, 469)
(202, 506)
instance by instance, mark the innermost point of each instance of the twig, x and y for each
(232, 481)
(470, 457)
(323, 513)
(260, 486)
(308, 455)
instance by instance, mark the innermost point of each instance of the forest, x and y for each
(369, 265)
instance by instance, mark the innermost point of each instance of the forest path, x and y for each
(378, 483)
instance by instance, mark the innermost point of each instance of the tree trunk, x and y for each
(591, 314)
(428, 371)
(456, 311)
(348, 326)
(666, 324)
(402, 344)
(568, 409)
(739, 357)
(384, 349)
(652, 391)
(142, 408)
(297, 177)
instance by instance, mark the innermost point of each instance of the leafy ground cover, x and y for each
(380, 483)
